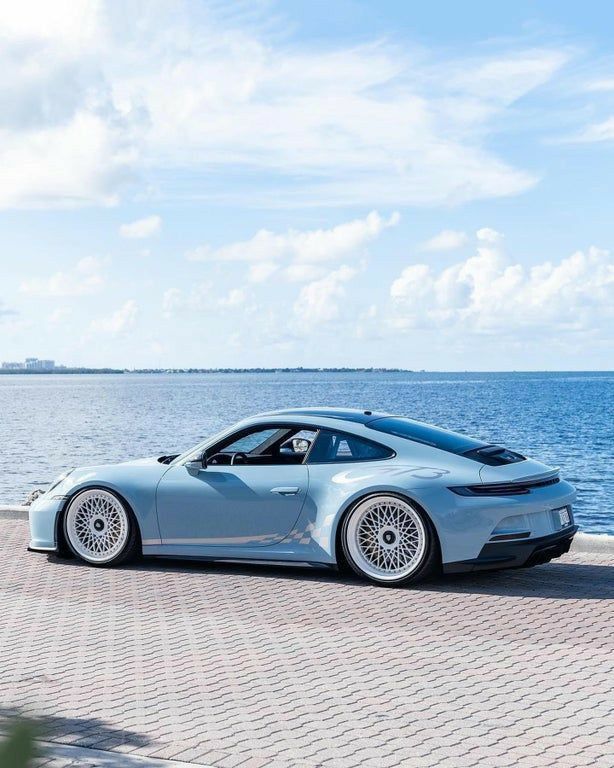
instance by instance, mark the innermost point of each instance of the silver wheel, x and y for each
(386, 538)
(97, 526)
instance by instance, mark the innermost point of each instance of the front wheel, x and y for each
(389, 541)
(99, 528)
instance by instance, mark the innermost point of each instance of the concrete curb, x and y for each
(599, 543)
(13, 513)
(76, 756)
(106, 759)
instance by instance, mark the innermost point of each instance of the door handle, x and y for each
(285, 491)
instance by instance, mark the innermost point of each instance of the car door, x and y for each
(238, 506)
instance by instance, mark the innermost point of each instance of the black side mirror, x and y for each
(203, 460)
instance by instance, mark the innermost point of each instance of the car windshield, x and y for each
(452, 442)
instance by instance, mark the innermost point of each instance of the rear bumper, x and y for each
(516, 554)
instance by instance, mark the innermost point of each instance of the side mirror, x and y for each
(197, 464)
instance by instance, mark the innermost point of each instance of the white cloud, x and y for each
(176, 301)
(95, 93)
(488, 293)
(603, 131)
(78, 163)
(201, 300)
(605, 84)
(6, 311)
(260, 271)
(172, 301)
(505, 79)
(235, 298)
(301, 273)
(318, 302)
(141, 228)
(59, 315)
(121, 321)
(74, 22)
(487, 235)
(446, 240)
(311, 246)
(62, 141)
(84, 279)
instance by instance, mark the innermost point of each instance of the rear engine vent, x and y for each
(494, 455)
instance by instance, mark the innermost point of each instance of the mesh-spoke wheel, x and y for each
(385, 539)
(98, 528)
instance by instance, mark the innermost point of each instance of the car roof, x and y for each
(344, 414)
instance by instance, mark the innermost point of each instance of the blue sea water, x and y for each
(50, 423)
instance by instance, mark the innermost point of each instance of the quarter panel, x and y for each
(334, 487)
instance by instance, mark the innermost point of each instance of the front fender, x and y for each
(135, 483)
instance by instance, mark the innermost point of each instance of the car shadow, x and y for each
(560, 580)
(557, 580)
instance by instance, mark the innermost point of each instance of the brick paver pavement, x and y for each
(257, 667)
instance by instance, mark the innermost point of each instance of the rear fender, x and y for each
(400, 493)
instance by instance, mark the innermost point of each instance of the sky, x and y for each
(308, 183)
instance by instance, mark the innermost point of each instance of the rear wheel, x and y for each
(389, 541)
(99, 528)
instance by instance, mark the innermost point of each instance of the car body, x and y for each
(279, 487)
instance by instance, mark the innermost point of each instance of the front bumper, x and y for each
(516, 554)
(43, 515)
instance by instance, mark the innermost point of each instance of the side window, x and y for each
(264, 446)
(251, 441)
(336, 446)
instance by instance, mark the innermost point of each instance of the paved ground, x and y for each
(233, 666)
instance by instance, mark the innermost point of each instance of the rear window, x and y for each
(452, 442)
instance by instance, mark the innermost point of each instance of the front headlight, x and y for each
(59, 480)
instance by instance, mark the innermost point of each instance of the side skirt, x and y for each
(242, 561)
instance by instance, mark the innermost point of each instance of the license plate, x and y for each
(564, 517)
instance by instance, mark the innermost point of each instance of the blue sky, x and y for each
(422, 185)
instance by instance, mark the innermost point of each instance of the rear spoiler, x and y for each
(536, 478)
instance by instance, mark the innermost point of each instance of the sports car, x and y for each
(394, 499)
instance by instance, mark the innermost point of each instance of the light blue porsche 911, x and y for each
(395, 499)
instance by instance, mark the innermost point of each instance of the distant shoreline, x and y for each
(35, 372)
(28, 372)
(162, 371)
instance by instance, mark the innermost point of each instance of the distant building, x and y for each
(31, 364)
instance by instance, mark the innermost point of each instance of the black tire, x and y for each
(426, 565)
(119, 516)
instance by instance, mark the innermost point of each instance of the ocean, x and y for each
(50, 423)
